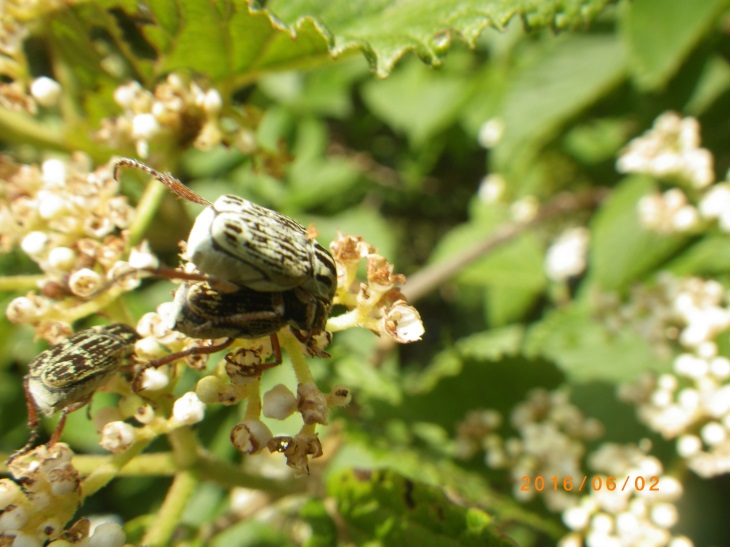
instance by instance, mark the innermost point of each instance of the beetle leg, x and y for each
(32, 423)
(198, 350)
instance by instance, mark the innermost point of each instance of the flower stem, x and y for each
(298, 360)
(168, 517)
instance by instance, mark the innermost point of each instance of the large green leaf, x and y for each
(387, 508)
(385, 30)
(621, 249)
(660, 34)
(563, 78)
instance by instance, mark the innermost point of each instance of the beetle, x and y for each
(200, 311)
(65, 376)
(249, 245)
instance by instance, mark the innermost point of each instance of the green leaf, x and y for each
(564, 78)
(661, 33)
(709, 256)
(226, 41)
(385, 30)
(388, 508)
(585, 350)
(621, 249)
(505, 304)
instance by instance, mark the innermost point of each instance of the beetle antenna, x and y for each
(165, 178)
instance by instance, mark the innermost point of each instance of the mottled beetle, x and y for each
(235, 240)
(260, 270)
(65, 376)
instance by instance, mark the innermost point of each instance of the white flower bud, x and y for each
(713, 433)
(45, 91)
(108, 534)
(125, 95)
(9, 493)
(13, 518)
(403, 323)
(688, 445)
(145, 414)
(279, 402)
(212, 102)
(490, 133)
(62, 258)
(84, 282)
(664, 515)
(53, 173)
(26, 309)
(208, 389)
(34, 243)
(50, 204)
(339, 396)
(141, 257)
(145, 126)
(250, 436)
(153, 379)
(188, 409)
(116, 437)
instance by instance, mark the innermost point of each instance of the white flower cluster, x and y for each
(67, 219)
(36, 514)
(671, 149)
(692, 403)
(244, 369)
(639, 513)
(668, 212)
(567, 256)
(377, 305)
(551, 442)
(178, 111)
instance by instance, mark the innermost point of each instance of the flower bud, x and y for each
(116, 437)
(34, 243)
(84, 282)
(45, 91)
(250, 436)
(279, 402)
(403, 323)
(108, 534)
(188, 409)
(339, 396)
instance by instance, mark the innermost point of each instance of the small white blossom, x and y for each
(45, 90)
(188, 409)
(117, 436)
(490, 133)
(566, 257)
(279, 402)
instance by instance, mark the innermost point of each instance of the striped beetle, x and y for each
(238, 241)
(260, 270)
(65, 376)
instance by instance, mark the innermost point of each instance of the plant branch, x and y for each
(432, 277)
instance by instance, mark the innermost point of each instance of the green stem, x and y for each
(184, 447)
(103, 474)
(21, 128)
(298, 360)
(169, 515)
(146, 210)
(20, 282)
